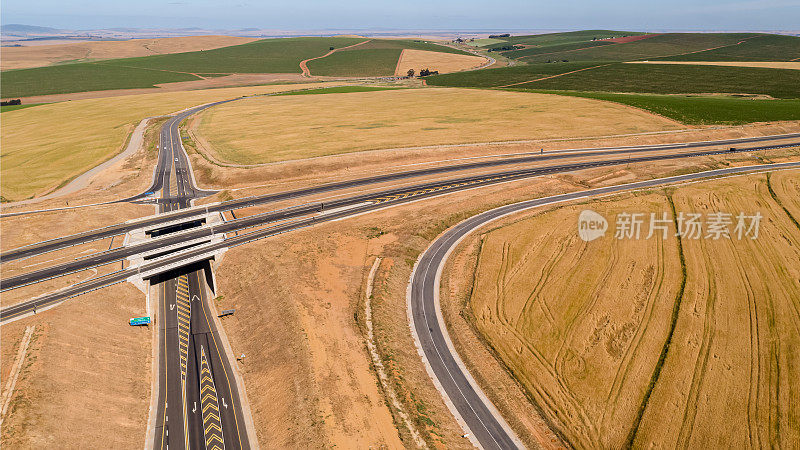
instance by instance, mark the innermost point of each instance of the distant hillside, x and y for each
(19, 29)
(596, 64)
(377, 57)
(606, 45)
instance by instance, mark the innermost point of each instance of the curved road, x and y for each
(485, 426)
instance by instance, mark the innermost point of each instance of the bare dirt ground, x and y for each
(45, 55)
(85, 382)
(762, 64)
(586, 359)
(443, 62)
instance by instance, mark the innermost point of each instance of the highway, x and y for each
(484, 424)
(304, 215)
(198, 401)
(198, 404)
(419, 190)
(163, 168)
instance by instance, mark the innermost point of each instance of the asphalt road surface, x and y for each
(198, 405)
(483, 422)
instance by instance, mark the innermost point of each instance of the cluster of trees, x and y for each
(604, 39)
(506, 48)
(423, 73)
(11, 102)
(499, 36)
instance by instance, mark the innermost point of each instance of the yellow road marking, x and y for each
(212, 424)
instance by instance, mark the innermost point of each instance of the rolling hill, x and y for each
(375, 57)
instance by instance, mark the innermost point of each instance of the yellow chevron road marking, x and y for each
(183, 314)
(212, 424)
(435, 189)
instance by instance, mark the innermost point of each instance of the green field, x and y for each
(81, 78)
(15, 107)
(400, 44)
(376, 58)
(679, 79)
(504, 75)
(485, 42)
(370, 62)
(656, 46)
(768, 47)
(580, 46)
(553, 49)
(696, 110)
(638, 78)
(549, 39)
(265, 56)
(613, 80)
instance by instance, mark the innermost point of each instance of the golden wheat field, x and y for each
(441, 62)
(82, 134)
(687, 343)
(263, 130)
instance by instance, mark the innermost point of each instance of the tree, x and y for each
(411, 73)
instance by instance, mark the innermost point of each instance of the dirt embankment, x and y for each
(86, 378)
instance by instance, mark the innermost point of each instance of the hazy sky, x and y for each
(408, 14)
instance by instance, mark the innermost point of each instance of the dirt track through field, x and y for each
(659, 56)
(304, 63)
(554, 76)
(615, 41)
(706, 49)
